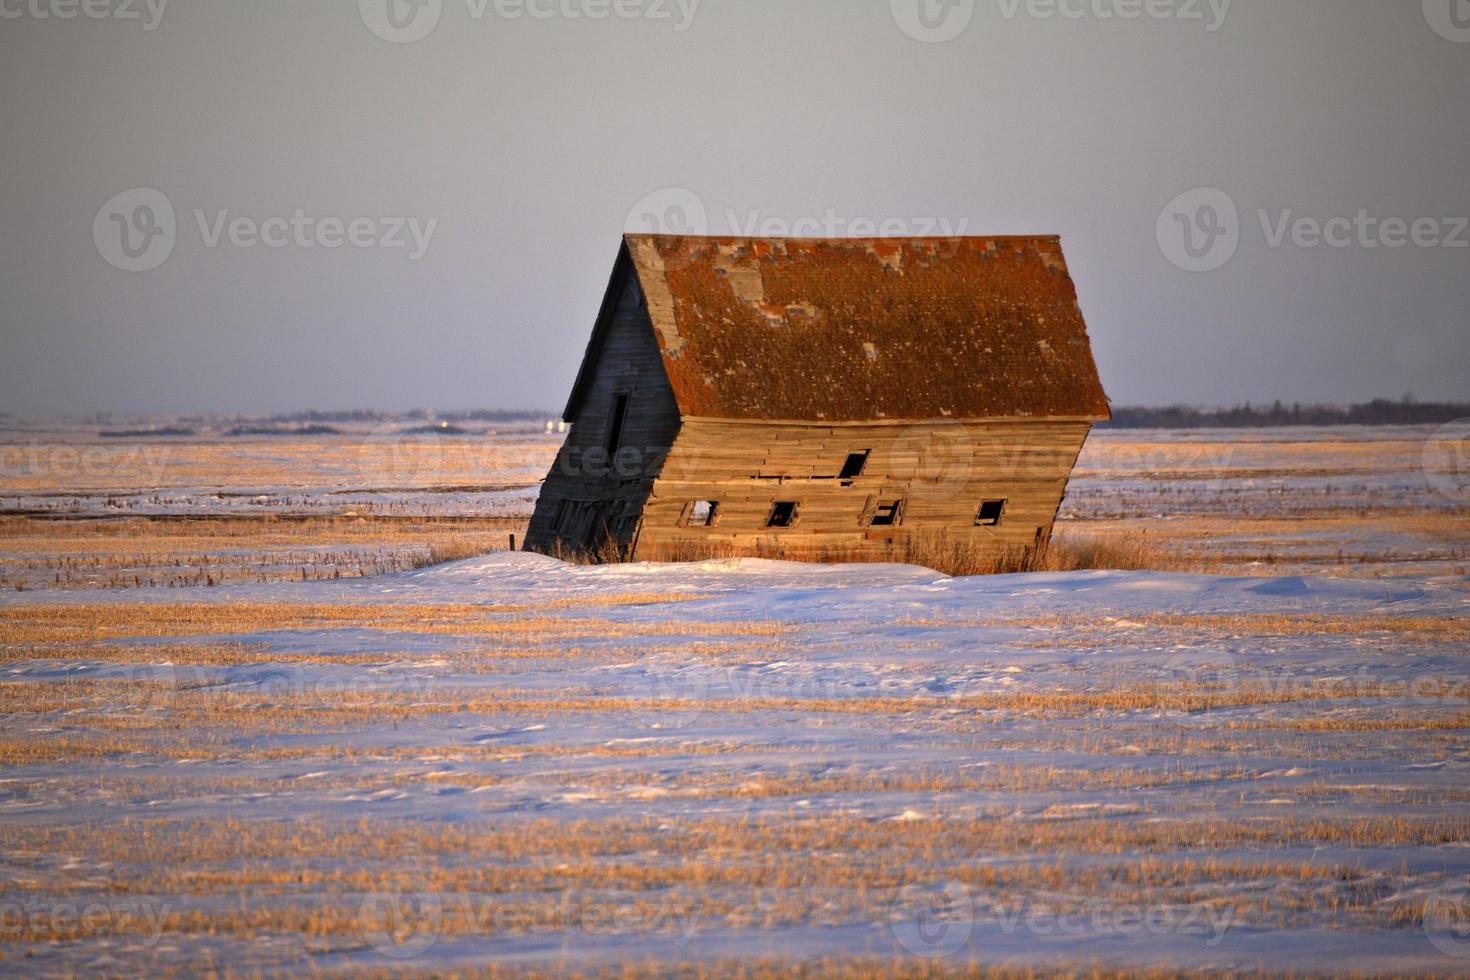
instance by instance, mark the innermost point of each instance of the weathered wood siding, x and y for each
(585, 490)
(942, 472)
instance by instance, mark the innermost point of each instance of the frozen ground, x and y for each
(511, 761)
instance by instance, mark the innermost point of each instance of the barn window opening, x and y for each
(856, 463)
(783, 514)
(618, 416)
(888, 514)
(703, 513)
(990, 513)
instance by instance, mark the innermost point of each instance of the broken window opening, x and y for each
(856, 463)
(990, 514)
(703, 513)
(618, 416)
(783, 514)
(888, 514)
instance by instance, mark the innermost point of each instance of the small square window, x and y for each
(990, 513)
(856, 463)
(783, 514)
(888, 514)
(703, 513)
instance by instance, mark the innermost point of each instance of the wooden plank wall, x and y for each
(942, 470)
(594, 487)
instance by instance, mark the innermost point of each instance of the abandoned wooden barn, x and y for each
(823, 397)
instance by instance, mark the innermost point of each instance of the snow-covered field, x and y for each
(508, 762)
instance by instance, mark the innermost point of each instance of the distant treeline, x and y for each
(1378, 412)
(171, 432)
(284, 430)
(367, 415)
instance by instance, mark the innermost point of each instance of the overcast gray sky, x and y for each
(513, 142)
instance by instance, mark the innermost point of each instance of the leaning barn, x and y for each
(823, 397)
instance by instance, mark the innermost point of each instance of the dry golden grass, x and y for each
(952, 555)
(208, 704)
(171, 552)
(1149, 626)
(170, 843)
(82, 622)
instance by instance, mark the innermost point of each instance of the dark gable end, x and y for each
(846, 330)
(622, 270)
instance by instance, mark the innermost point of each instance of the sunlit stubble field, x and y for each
(510, 764)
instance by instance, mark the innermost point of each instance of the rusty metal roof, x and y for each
(868, 329)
